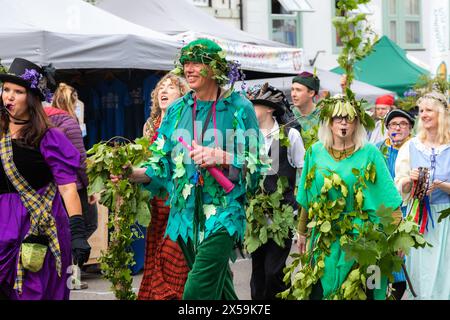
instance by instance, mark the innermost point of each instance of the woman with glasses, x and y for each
(428, 268)
(399, 124)
(337, 160)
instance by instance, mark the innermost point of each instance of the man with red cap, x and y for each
(383, 105)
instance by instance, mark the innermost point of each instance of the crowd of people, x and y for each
(215, 149)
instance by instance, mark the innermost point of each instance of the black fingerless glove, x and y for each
(80, 247)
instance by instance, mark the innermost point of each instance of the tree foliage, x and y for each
(424, 85)
(355, 33)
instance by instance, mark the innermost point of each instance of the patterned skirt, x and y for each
(165, 269)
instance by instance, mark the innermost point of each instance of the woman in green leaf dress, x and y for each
(344, 182)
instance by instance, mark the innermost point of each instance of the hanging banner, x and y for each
(439, 35)
(255, 57)
(441, 71)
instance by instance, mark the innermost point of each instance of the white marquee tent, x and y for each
(73, 34)
(177, 16)
(187, 22)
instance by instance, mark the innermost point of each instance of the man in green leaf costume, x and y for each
(344, 182)
(270, 216)
(222, 131)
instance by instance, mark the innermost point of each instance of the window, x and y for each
(403, 23)
(296, 5)
(284, 24)
(201, 3)
(363, 8)
(337, 44)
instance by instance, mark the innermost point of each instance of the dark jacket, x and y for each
(70, 127)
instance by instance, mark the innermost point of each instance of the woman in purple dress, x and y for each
(44, 167)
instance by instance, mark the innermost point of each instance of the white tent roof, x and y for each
(254, 57)
(188, 23)
(329, 81)
(178, 16)
(75, 34)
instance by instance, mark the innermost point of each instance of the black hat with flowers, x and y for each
(29, 75)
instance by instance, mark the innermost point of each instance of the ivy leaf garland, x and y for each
(267, 218)
(377, 245)
(127, 204)
(310, 136)
(365, 242)
(2, 68)
(223, 71)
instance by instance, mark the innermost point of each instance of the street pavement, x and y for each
(99, 288)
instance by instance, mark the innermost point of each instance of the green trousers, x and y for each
(210, 277)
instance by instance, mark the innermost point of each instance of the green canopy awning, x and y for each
(387, 67)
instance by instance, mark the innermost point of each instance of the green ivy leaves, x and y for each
(267, 218)
(444, 214)
(127, 204)
(367, 242)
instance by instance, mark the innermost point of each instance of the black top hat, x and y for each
(269, 96)
(29, 75)
(399, 113)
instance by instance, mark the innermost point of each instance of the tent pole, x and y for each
(241, 18)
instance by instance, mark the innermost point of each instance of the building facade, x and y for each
(421, 27)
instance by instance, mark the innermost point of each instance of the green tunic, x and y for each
(309, 125)
(382, 192)
(172, 170)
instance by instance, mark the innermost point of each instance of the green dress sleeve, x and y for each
(159, 165)
(302, 190)
(383, 191)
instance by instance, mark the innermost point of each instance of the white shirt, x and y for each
(296, 149)
(377, 134)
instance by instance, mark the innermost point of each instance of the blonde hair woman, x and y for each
(165, 270)
(167, 90)
(428, 268)
(65, 99)
(341, 154)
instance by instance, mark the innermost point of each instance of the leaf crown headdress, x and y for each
(345, 106)
(209, 53)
